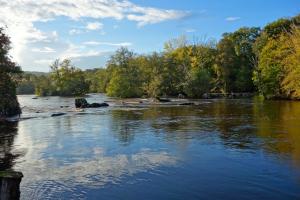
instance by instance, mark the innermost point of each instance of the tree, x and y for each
(290, 83)
(234, 60)
(9, 105)
(98, 80)
(277, 50)
(125, 78)
(69, 80)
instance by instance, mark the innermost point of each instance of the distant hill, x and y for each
(36, 73)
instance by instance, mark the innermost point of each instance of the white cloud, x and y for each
(43, 50)
(95, 43)
(20, 17)
(75, 31)
(94, 26)
(231, 19)
(153, 16)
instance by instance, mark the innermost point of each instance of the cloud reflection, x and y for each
(96, 171)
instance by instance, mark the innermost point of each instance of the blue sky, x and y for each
(89, 31)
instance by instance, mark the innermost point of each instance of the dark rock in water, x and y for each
(10, 185)
(34, 98)
(187, 104)
(163, 100)
(57, 114)
(97, 105)
(81, 103)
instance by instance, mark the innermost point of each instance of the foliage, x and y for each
(234, 60)
(125, 81)
(9, 105)
(67, 80)
(277, 49)
(290, 83)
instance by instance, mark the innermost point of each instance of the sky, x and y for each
(89, 31)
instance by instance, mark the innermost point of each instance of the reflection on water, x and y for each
(279, 124)
(7, 137)
(221, 149)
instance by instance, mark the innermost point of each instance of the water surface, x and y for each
(219, 149)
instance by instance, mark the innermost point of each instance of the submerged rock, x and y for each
(57, 114)
(163, 100)
(97, 105)
(187, 104)
(10, 185)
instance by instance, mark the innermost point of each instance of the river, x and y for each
(219, 149)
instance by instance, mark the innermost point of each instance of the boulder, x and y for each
(81, 103)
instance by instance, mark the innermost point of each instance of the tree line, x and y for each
(250, 60)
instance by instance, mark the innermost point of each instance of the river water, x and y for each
(219, 149)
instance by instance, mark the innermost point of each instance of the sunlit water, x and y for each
(220, 149)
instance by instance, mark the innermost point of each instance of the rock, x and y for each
(97, 105)
(187, 104)
(163, 100)
(57, 114)
(81, 103)
(34, 98)
(10, 185)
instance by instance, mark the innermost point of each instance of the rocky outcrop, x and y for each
(10, 185)
(82, 103)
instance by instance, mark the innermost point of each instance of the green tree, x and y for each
(235, 60)
(9, 105)
(290, 83)
(98, 80)
(126, 76)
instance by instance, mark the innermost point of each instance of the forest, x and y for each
(264, 61)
